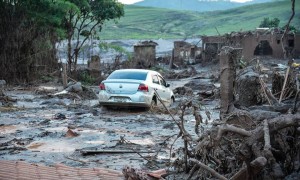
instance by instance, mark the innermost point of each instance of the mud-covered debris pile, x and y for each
(4, 99)
(186, 73)
(257, 136)
(75, 91)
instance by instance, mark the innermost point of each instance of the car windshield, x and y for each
(128, 75)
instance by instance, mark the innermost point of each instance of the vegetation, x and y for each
(196, 5)
(30, 29)
(86, 78)
(81, 22)
(119, 49)
(155, 23)
(267, 23)
(28, 33)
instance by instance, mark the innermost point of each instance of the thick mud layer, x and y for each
(81, 134)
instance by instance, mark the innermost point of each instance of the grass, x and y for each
(155, 23)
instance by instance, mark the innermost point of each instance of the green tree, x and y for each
(81, 23)
(29, 30)
(267, 23)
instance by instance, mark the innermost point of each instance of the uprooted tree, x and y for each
(258, 139)
(255, 144)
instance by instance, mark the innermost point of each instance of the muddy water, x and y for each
(37, 134)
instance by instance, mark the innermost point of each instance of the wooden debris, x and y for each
(112, 151)
(256, 166)
(131, 173)
(212, 171)
(284, 84)
(158, 173)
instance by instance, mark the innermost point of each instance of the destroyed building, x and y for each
(185, 52)
(261, 42)
(145, 54)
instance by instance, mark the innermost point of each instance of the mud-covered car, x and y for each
(134, 87)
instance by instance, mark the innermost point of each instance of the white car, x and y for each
(135, 87)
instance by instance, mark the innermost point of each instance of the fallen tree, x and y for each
(254, 142)
(275, 139)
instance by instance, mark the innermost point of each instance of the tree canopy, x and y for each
(269, 23)
(29, 30)
(81, 24)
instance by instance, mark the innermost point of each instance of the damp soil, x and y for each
(80, 133)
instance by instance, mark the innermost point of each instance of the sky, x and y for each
(134, 1)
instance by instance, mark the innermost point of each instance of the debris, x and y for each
(59, 116)
(248, 88)
(183, 91)
(59, 171)
(158, 173)
(131, 173)
(284, 84)
(256, 166)
(112, 151)
(75, 87)
(71, 133)
(6, 100)
(53, 102)
(2, 83)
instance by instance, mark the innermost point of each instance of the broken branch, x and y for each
(267, 136)
(270, 97)
(90, 152)
(284, 84)
(255, 166)
(212, 171)
(225, 127)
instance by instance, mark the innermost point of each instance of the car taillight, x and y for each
(102, 86)
(143, 87)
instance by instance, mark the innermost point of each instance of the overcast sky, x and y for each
(134, 1)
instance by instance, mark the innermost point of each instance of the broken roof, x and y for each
(258, 31)
(24, 170)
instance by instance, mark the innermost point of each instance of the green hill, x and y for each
(196, 5)
(155, 23)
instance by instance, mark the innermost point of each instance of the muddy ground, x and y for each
(42, 128)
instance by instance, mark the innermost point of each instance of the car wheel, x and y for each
(172, 101)
(152, 105)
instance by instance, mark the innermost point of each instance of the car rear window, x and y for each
(128, 75)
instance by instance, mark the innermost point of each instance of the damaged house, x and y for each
(185, 52)
(145, 54)
(261, 42)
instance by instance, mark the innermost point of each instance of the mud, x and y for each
(50, 129)
(46, 126)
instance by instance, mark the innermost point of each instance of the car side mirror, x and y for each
(167, 85)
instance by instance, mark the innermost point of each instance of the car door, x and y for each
(156, 85)
(165, 92)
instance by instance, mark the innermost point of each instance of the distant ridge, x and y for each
(196, 5)
(154, 23)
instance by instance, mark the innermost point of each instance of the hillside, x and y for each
(196, 5)
(155, 23)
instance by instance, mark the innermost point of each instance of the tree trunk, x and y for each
(228, 57)
(69, 53)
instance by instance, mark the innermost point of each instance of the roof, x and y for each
(24, 170)
(137, 70)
